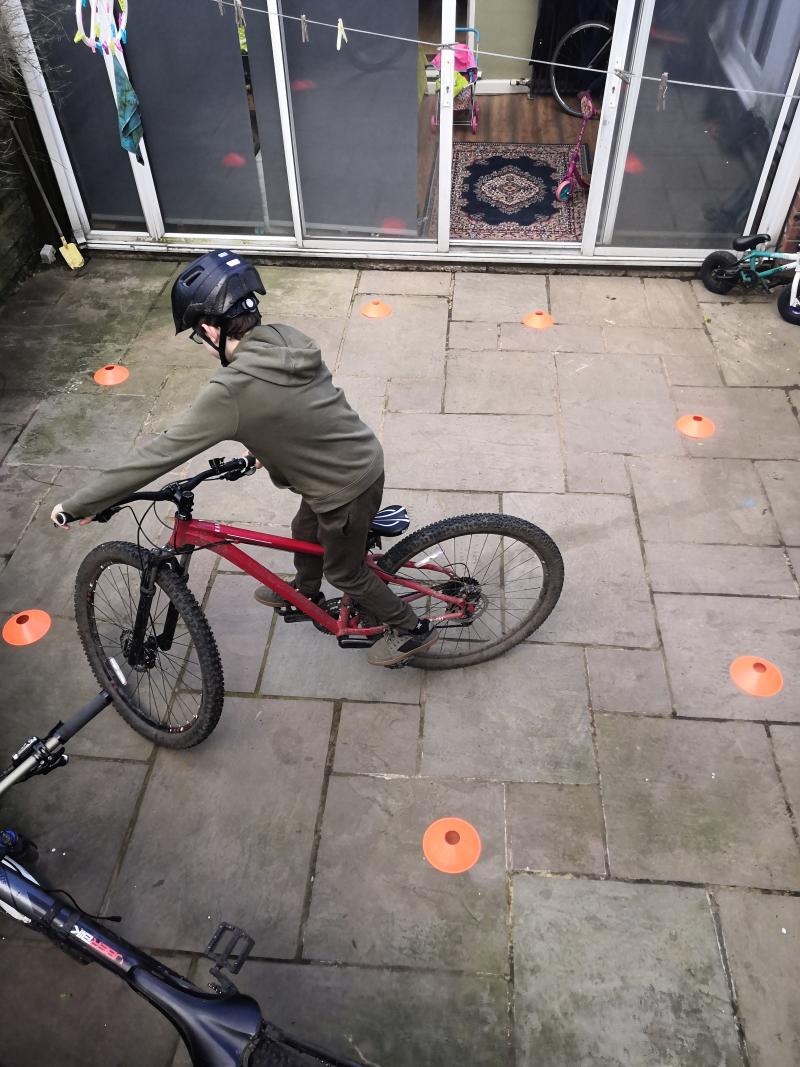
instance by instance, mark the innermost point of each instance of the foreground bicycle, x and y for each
(486, 581)
(222, 1028)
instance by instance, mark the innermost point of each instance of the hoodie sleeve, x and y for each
(212, 418)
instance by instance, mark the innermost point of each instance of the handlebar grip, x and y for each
(63, 519)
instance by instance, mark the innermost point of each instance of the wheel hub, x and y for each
(149, 653)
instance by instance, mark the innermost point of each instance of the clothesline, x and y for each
(626, 75)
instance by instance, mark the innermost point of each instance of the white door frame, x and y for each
(279, 60)
(776, 136)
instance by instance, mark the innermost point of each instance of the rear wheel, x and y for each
(585, 45)
(507, 569)
(174, 690)
(716, 270)
(787, 312)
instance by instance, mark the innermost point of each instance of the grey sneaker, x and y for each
(399, 645)
(270, 599)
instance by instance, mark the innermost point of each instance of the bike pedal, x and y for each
(228, 950)
(291, 614)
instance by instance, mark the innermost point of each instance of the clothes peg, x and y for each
(304, 29)
(663, 85)
(239, 13)
(340, 35)
(220, 6)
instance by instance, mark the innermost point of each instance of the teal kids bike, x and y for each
(722, 271)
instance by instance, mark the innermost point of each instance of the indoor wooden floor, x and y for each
(519, 119)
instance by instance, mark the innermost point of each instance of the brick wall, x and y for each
(24, 224)
(791, 233)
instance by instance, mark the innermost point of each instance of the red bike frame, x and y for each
(224, 539)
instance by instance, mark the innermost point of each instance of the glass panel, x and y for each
(692, 170)
(192, 73)
(84, 103)
(366, 152)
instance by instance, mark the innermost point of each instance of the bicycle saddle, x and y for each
(391, 521)
(743, 244)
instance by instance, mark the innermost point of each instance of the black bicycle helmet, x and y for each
(219, 285)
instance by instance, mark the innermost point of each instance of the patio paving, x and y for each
(637, 898)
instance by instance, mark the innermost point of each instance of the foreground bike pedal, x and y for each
(228, 950)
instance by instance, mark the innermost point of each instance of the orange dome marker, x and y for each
(756, 676)
(695, 426)
(27, 627)
(376, 309)
(451, 845)
(538, 320)
(111, 374)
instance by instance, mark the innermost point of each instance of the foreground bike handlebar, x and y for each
(220, 469)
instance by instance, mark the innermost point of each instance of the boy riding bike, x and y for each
(274, 395)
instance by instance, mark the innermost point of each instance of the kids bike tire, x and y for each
(127, 555)
(507, 526)
(785, 309)
(710, 269)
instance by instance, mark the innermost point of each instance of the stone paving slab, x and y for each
(241, 627)
(75, 430)
(367, 396)
(555, 828)
(16, 407)
(719, 569)
(408, 343)
(484, 721)
(762, 940)
(21, 490)
(77, 852)
(327, 332)
(672, 303)
(559, 338)
(599, 396)
(596, 472)
(473, 336)
(687, 355)
(754, 345)
(377, 739)
(750, 423)
(786, 741)
(240, 849)
(405, 283)
(584, 299)
(338, 673)
(38, 362)
(8, 435)
(51, 680)
(498, 297)
(377, 900)
(157, 344)
(618, 974)
(323, 291)
(510, 383)
(782, 484)
(702, 636)
(391, 1018)
(92, 1016)
(513, 453)
(624, 679)
(694, 802)
(718, 501)
(605, 599)
(180, 390)
(26, 583)
(414, 395)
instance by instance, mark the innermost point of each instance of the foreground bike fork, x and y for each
(138, 651)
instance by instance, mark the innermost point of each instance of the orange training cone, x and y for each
(695, 426)
(756, 676)
(538, 320)
(111, 374)
(451, 845)
(376, 309)
(27, 627)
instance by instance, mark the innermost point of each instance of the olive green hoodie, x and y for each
(278, 399)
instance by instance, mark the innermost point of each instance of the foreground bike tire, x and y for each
(713, 270)
(785, 309)
(176, 700)
(466, 543)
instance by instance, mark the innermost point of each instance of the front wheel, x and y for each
(564, 190)
(508, 571)
(785, 308)
(174, 689)
(718, 272)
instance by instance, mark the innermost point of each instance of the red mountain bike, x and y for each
(485, 581)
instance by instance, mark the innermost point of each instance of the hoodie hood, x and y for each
(276, 353)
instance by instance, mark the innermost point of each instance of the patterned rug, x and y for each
(506, 192)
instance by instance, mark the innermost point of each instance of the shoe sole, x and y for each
(402, 656)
